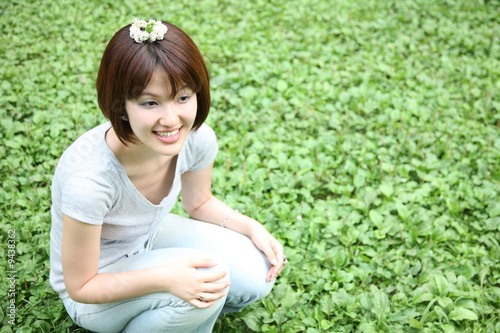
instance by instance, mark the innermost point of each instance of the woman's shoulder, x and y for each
(202, 139)
(199, 150)
(88, 152)
(93, 138)
(203, 133)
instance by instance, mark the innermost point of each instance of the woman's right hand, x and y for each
(182, 278)
(189, 283)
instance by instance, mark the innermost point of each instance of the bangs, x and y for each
(156, 57)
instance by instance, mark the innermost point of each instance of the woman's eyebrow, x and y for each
(152, 94)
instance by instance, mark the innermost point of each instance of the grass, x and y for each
(363, 134)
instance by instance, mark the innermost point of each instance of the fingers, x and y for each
(206, 300)
(211, 297)
(273, 273)
(271, 253)
(204, 275)
(198, 262)
(211, 288)
(215, 287)
(207, 276)
(211, 276)
(277, 259)
(280, 254)
(200, 304)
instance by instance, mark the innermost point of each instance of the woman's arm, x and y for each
(80, 257)
(200, 204)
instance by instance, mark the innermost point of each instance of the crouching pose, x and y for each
(120, 260)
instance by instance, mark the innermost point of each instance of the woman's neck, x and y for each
(136, 158)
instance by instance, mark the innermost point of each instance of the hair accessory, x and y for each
(223, 224)
(142, 31)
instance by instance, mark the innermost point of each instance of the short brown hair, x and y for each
(126, 68)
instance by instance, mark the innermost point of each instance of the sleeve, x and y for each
(204, 148)
(87, 197)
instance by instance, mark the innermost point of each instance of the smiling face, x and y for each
(161, 123)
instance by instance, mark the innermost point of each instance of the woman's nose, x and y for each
(168, 116)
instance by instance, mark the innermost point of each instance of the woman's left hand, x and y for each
(272, 248)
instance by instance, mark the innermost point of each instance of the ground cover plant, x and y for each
(364, 134)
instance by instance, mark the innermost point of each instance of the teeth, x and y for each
(167, 134)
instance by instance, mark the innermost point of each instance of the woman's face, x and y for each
(160, 123)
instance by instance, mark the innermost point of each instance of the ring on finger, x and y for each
(201, 298)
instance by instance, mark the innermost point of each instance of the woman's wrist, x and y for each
(241, 223)
(224, 221)
(253, 227)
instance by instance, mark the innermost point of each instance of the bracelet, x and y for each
(223, 224)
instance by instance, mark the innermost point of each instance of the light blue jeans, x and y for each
(180, 237)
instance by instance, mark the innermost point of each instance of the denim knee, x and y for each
(246, 292)
(179, 319)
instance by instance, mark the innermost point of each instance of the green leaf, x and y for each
(252, 321)
(359, 179)
(309, 322)
(248, 92)
(387, 189)
(368, 327)
(441, 284)
(494, 209)
(460, 313)
(425, 297)
(416, 324)
(403, 211)
(280, 316)
(325, 324)
(281, 85)
(376, 217)
(453, 205)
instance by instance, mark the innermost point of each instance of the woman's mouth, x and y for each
(167, 134)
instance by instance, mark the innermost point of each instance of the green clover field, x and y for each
(365, 135)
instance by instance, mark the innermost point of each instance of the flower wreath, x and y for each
(142, 31)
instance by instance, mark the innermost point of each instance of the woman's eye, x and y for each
(149, 103)
(184, 99)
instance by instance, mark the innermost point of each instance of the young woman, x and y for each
(120, 260)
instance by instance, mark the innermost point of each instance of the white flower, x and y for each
(141, 31)
(144, 36)
(141, 24)
(138, 35)
(159, 31)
